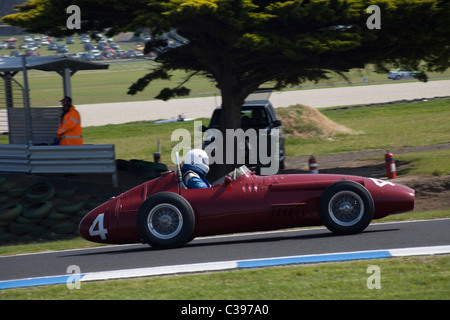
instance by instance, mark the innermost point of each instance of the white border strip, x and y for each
(159, 271)
(420, 251)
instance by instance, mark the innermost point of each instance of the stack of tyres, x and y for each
(149, 170)
(8, 213)
(37, 213)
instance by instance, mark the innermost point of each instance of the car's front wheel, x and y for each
(346, 207)
(165, 220)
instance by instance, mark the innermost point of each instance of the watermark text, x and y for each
(74, 21)
(374, 21)
(253, 147)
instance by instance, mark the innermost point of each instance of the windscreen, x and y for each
(251, 117)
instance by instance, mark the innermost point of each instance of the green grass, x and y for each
(424, 278)
(111, 85)
(431, 163)
(378, 127)
(138, 140)
(382, 127)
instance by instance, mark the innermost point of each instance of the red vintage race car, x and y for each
(163, 214)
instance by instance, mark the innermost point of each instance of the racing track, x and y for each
(250, 246)
(296, 242)
(94, 114)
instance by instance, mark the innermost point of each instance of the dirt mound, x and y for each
(308, 123)
(432, 193)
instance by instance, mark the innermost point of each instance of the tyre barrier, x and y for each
(65, 193)
(4, 198)
(37, 210)
(42, 191)
(20, 228)
(16, 193)
(149, 170)
(6, 186)
(68, 208)
(33, 214)
(10, 212)
(65, 227)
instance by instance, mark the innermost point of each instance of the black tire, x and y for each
(69, 208)
(66, 227)
(42, 191)
(37, 211)
(165, 220)
(346, 207)
(10, 212)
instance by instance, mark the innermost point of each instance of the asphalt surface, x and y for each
(123, 112)
(225, 248)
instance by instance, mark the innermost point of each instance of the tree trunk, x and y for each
(232, 100)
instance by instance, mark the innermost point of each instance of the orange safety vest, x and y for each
(69, 130)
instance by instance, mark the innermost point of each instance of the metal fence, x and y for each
(14, 98)
(36, 126)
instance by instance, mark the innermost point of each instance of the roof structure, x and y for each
(48, 63)
(10, 66)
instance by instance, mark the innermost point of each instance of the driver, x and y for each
(195, 168)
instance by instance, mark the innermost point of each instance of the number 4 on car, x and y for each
(97, 227)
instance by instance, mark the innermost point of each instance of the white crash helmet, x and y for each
(198, 158)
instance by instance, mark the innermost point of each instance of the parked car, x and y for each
(121, 54)
(73, 56)
(131, 53)
(398, 74)
(139, 46)
(96, 54)
(32, 53)
(62, 49)
(102, 45)
(53, 46)
(256, 113)
(33, 44)
(114, 46)
(88, 46)
(86, 56)
(108, 55)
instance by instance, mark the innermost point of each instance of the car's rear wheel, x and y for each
(166, 220)
(346, 207)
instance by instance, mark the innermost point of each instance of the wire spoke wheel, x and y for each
(346, 208)
(165, 221)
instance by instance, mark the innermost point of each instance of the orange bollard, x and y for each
(313, 165)
(390, 165)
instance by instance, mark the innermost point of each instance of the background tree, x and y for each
(242, 44)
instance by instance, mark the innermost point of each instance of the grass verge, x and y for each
(381, 127)
(424, 278)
